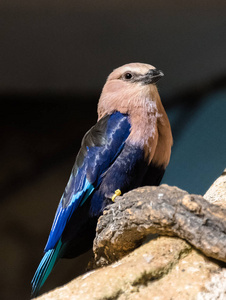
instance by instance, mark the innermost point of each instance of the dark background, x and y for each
(54, 59)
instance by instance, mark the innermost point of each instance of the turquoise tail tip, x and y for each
(44, 269)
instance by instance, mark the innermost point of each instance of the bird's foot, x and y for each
(117, 193)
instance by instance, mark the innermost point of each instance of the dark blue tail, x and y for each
(45, 267)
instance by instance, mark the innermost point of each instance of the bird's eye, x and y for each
(128, 76)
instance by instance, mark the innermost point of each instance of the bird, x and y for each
(128, 147)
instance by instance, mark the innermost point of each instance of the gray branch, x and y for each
(163, 210)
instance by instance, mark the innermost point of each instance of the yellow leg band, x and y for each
(117, 193)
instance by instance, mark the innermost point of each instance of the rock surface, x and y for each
(217, 192)
(163, 268)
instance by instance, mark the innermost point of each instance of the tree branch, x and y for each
(163, 210)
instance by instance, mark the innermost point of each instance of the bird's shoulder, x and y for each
(115, 126)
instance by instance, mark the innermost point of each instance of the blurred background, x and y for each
(54, 59)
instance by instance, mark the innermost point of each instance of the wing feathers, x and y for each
(63, 214)
(100, 146)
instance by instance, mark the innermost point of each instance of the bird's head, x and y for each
(135, 74)
(128, 87)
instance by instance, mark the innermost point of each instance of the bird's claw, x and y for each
(117, 193)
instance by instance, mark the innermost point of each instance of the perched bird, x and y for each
(129, 146)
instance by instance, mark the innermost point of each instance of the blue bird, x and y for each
(129, 146)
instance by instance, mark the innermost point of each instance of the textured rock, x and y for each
(164, 268)
(215, 287)
(184, 281)
(147, 263)
(217, 192)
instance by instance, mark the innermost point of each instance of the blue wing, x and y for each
(100, 147)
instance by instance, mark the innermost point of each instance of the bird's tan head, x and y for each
(137, 73)
(128, 86)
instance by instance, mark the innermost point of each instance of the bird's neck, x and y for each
(144, 132)
(150, 129)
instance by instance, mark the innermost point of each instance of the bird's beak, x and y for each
(152, 76)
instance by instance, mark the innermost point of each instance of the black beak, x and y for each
(152, 76)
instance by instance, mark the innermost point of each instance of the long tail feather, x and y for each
(45, 267)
